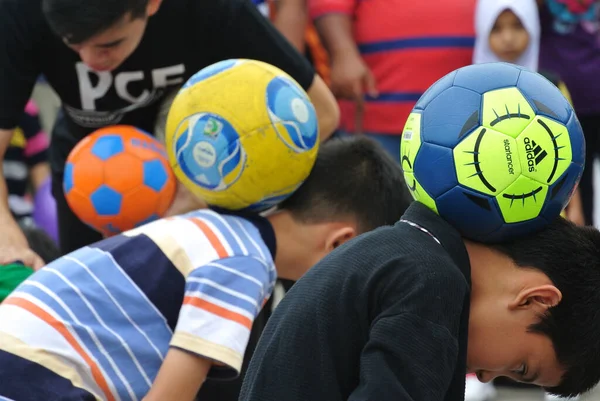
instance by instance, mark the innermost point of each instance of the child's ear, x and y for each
(153, 6)
(539, 297)
(338, 236)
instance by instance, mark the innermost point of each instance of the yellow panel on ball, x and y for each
(487, 161)
(545, 150)
(523, 200)
(242, 134)
(507, 111)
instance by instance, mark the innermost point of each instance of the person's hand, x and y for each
(14, 247)
(351, 78)
(184, 202)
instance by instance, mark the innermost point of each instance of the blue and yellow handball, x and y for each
(242, 135)
(494, 149)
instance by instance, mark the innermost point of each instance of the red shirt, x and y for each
(408, 45)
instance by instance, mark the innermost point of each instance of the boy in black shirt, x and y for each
(112, 61)
(403, 312)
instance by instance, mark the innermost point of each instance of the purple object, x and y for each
(44, 210)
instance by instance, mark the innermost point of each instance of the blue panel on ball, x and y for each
(107, 147)
(106, 201)
(485, 77)
(544, 96)
(150, 219)
(474, 215)
(68, 178)
(434, 90)
(577, 140)
(434, 169)
(513, 231)
(209, 71)
(561, 191)
(287, 104)
(267, 203)
(448, 115)
(155, 175)
(209, 150)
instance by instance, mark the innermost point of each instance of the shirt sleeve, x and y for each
(244, 33)
(222, 299)
(319, 8)
(18, 61)
(406, 358)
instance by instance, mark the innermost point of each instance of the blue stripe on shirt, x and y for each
(23, 380)
(152, 272)
(417, 43)
(220, 273)
(83, 334)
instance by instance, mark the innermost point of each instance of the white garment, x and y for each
(485, 17)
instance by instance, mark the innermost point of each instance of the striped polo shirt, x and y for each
(97, 323)
(408, 45)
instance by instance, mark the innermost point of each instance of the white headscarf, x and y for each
(485, 17)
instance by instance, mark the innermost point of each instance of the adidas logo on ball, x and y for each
(535, 154)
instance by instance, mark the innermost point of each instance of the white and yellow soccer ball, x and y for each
(242, 135)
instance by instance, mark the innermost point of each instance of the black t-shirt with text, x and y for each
(183, 37)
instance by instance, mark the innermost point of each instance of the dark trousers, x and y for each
(72, 232)
(591, 130)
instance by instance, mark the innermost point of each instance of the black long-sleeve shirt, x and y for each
(384, 317)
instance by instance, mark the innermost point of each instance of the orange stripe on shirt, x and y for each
(62, 329)
(219, 311)
(212, 237)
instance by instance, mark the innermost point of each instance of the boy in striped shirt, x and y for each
(153, 312)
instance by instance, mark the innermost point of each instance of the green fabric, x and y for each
(11, 276)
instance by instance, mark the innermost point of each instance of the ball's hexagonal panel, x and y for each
(561, 191)
(450, 116)
(410, 142)
(577, 140)
(106, 201)
(522, 200)
(485, 77)
(544, 150)
(417, 191)
(434, 90)
(434, 169)
(107, 147)
(139, 203)
(82, 205)
(487, 161)
(124, 172)
(68, 177)
(547, 99)
(155, 174)
(88, 175)
(473, 214)
(507, 111)
(515, 230)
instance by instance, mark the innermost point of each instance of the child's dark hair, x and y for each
(353, 177)
(570, 256)
(78, 20)
(41, 243)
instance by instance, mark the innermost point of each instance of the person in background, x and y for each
(385, 53)
(570, 47)
(25, 165)
(509, 31)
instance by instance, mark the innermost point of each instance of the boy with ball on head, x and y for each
(403, 312)
(152, 312)
(112, 62)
